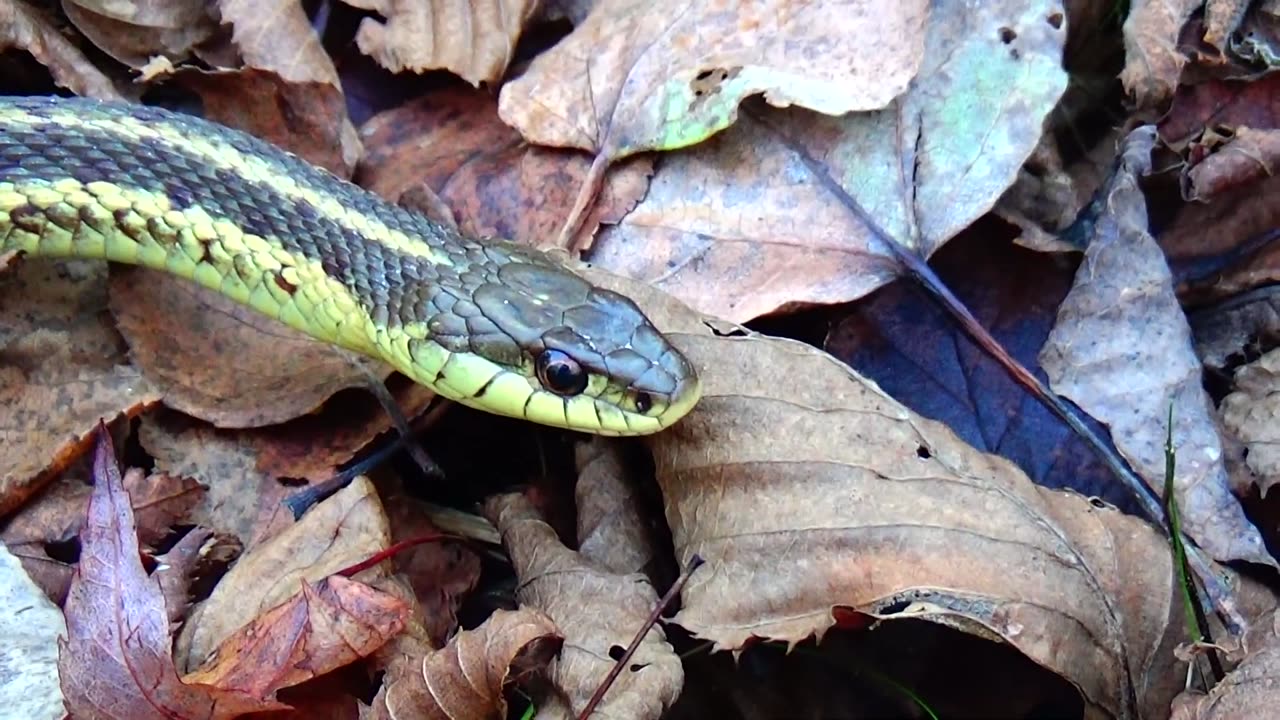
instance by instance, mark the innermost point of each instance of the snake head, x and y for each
(545, 345)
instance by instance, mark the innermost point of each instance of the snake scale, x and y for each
(485, 322)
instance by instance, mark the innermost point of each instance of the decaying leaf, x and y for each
(1252, 414)
(465, 679)
(62, 368)
(135, 32)
(740, 227)
(664, 75)
(475, 41)
(241, 500)
(30, 626)
(287, 79)
(220, 361)
(1249, 156)
(453, 143)
(57, 515)
(116, 660)
(345, 529)
(23, 27)
(598, 612)
(1122, 351)
(328, 624)
(613, 529)
(1247, 692)
(1152, 60)
(806, 489)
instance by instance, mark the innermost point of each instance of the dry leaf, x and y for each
(465, 679)
(598, 612)
(344, 529)
(1251, 413)
(1249, 691)
(30, 626)
(306, 117)
(664, 75)
(475, 41)
(198, 555)
(741, 227)
(220, 361)
(806, 489)
(1121, 350)
(241, 501)
(1249, 156)
(116, 661)
(496, 184)
(25, 28)
(287, 78)
(1152, 60)
(328, 624)
(62, 368)
(135, 32)
(1221, 19)
(614, 530)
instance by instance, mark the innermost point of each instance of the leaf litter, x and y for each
(815, 497)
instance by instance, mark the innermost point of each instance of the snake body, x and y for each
(485, 322)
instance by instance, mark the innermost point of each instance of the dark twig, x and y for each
(694, 563)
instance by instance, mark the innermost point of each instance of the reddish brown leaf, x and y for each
(327, 625)
(116, 661)
(345, 529)
(496, 184)
(1153, 62)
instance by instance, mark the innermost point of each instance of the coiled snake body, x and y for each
(487, 323)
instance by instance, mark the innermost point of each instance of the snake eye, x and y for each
(560, 373)
(644, 402)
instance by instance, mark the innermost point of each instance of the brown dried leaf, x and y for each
(198, 553)
(664, 75)
(1121, 350)
(328, 624)
(62, 368)
(465, 679)
(1153, 62)
(475, 41)
(1249, 691)
(288, 78)
(241, 501)
(496, 184)
(25, 28)
(30, 626)
(116, 661)
(220, 361)
(134, 32)
(807, 489)
(597, 611)
(741, 227)
(614, 531)
(306, 117)
(1249, 156)
(1221, 19)
(1252, 414)
(345, 529)
(440, 575)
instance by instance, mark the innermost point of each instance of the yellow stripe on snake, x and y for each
(487, 323)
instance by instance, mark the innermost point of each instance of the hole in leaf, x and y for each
(1055, 20)
(1007, 35)
(923, 453)
(616, 652)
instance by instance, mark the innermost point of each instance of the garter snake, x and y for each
(485, 322)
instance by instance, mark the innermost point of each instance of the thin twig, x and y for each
(694, 563)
